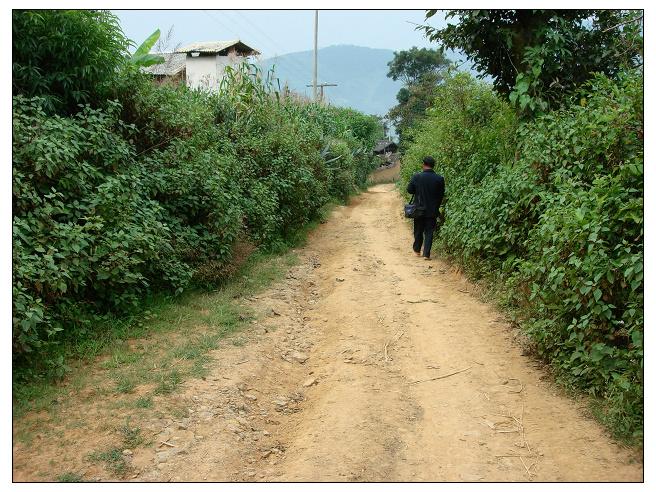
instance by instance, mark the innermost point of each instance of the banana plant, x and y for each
(142, 57)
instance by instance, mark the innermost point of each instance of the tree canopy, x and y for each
(68, 57)
(421, 70)
(413, 102)
(537, 57)
(410, 65)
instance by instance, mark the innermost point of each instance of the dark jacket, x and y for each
(428, 188)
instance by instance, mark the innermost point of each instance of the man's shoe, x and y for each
(417, 253)
(427, 258)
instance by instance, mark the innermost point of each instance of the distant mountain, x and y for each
(360, 74)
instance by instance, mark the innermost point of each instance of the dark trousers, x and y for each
(423, 230)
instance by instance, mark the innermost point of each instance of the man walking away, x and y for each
(428, 188)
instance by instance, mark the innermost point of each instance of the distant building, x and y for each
(384, 147)
(200, 65)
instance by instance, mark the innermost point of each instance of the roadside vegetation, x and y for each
(128, 195)
(545, 190)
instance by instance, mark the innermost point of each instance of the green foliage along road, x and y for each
(544, 177)
(122, 188)
(551, 213)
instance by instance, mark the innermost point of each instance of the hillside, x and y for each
(360, 74)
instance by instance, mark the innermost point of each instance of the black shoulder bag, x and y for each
(412, 210)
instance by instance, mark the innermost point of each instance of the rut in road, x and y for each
(370, 364)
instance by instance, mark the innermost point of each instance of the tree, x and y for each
(69, 57)
(413, 102)
(538, 57)
(421, 70)
(411, 65)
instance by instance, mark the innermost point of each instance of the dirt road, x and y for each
(369, 364)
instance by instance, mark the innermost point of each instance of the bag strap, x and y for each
(412, 200)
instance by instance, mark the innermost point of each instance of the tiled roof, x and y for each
(173, 64)
(217, 47)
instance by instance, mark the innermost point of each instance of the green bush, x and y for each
(584, 259)
(86, 235)
(553, 210)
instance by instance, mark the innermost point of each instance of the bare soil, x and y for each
(386, 174)
(366, 364)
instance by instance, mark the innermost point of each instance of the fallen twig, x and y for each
(421, 300)
(442, 377)
(396, 338)
(515, 456)
(242, 362)
(523, 443)
(527, 468)
(517, 392)
(166, 443)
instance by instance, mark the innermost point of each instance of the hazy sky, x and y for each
(276, 32)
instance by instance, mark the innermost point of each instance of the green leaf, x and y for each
(147, 45)
(147, 60)
(524, 100)
(522, 87)
(597, 294)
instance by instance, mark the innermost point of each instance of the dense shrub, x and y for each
(151, 190)
(584, 257)
(85, 233)
(553, 209)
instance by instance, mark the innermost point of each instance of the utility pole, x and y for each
(314, 85)
(321, 86)
(314, 73)
(325, 85)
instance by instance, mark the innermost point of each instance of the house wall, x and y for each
(224, 61)
(202, 72)
(206, 72)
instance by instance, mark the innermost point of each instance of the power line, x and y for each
(297, 62)
(220, 23)
(236, 34)
(292, 68)
(291, 61)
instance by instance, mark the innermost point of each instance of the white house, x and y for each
(201, 65)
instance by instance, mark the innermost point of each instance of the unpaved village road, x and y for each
(334, 382)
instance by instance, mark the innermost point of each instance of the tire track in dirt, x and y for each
(334, 381)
